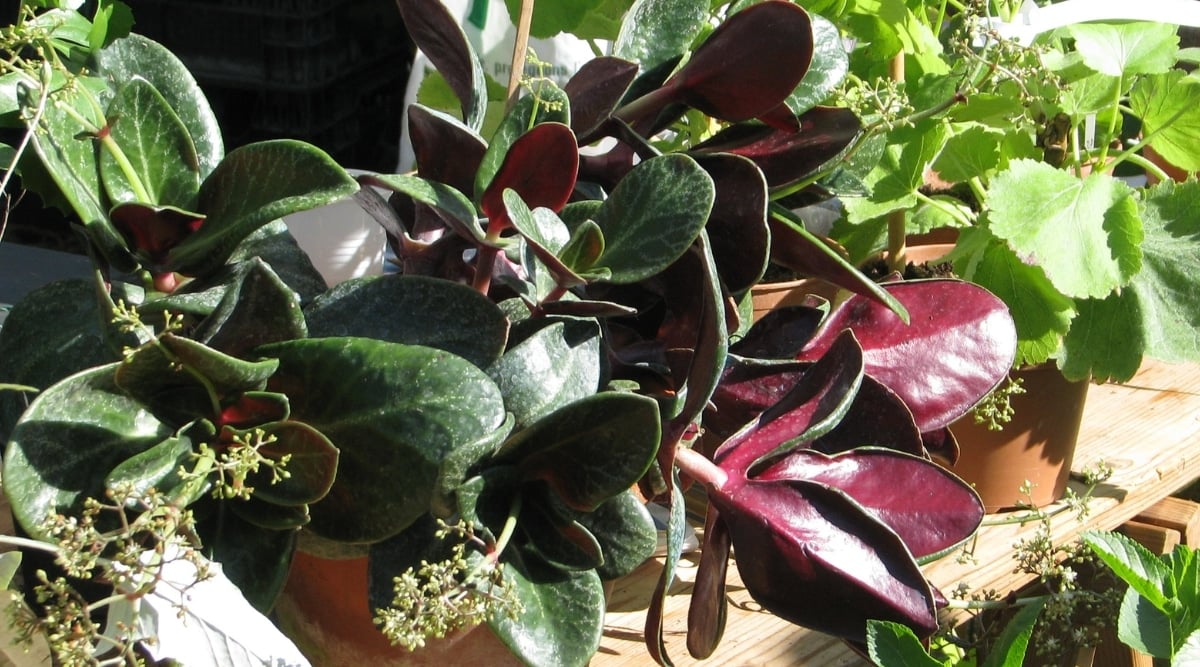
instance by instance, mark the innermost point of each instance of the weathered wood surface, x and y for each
(1148, 430)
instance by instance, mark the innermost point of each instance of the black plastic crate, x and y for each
(259, 43)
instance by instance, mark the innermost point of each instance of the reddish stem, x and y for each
(700, 468)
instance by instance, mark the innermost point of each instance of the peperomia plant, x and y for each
(490, 418)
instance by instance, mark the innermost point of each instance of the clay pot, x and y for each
(324, 610)
(1037, 445)
(769, 296)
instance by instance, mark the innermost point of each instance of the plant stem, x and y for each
(520, 46)
(700, 468)
(896, 244)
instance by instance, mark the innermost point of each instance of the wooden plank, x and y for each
(1158, 539)
(1175, 513)
(1161, 399)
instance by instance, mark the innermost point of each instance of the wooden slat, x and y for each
(1162, 400)
(1158, 539)
(1175, 513)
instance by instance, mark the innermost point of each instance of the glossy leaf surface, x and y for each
(960, 345)
(394, 411)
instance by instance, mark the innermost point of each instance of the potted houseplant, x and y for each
(1021, 147)
(478, 433)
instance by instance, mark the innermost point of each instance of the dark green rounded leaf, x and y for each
(591, 450)
(395, 412)
(67, 442)
(156, 145)
(653, 215)
(414, 310)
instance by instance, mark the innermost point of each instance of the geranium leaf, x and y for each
(1169, 304)
(1106, 341)
(891, 643)
(1122, 49)
(1084, 232)
(1170, 123)
(1041, 314)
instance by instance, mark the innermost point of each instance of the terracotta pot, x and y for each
(769, 296)
(1171, 170)
(324, 610)
(1037, 445)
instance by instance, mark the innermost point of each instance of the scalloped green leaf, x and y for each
(1170, 116)
(1041, 314)
(1085, 233)
(1122, 49)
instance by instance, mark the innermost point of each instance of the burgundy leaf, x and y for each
(596, 90)
(928, 507)
(154, 231)
(941, 445)
(814, 557)
(438, 35)
(747, 388)
(960, 344)
(737, 225)
(725, 77)
(786, 155)
(810, 409)
(877, 417)
(540, 167)
(253, 408)
(444, 149)
(707, 607)
(780, 334)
